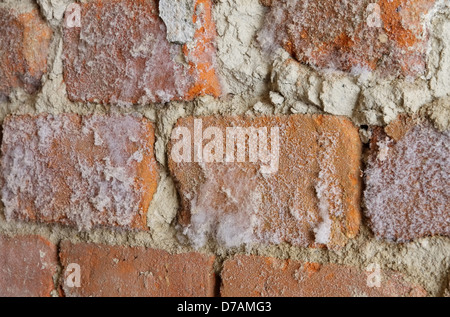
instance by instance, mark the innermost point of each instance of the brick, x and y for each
(111, 271)
(407, 181)
(388, 35)
(253, 276)
(24, 46)
(85, 171)
(27, 266)
(310, 198)
(120, 54)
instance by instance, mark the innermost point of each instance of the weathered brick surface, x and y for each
(84, 171)
(120, 54)
(27, 266)
(24, 44)
(312, 199)
(256, 276)
(123, 271)
(351, 35)
(408, 188)
(398, 128)
(266, 3)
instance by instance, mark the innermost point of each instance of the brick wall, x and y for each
(225, 148)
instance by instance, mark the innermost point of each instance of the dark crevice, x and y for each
(58, 287)
(218, 285)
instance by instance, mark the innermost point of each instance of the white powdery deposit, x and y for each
(328, 190)
(321, 42)
(408, 186)
(362, 95)
(209, 219)
(53, 10)
(51, 171)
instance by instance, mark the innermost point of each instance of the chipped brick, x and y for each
(311, 199)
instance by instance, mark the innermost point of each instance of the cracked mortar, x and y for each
(256, 84)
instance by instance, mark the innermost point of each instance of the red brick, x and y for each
(253, 276)
(343, 35)
(236, 203)
(27, 266)
(121, 55)
(24, 45)
(407, 188)
(124, 271)
(79, 170)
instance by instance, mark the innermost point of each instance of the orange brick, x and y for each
(352, 35)
(110, 271)
(397, 129)
(27, 266)
(253, 276)
(407, 192)
(84, 171)
(24, 45)
(120, 54)
(315, 189)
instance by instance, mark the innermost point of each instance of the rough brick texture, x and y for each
(255, 276)
(120, 54)
(447, 291)
(24, 44)
(123, 271)
(312, 199)
(408, 181)
(83, 171)
(27, 266)
(352, 35)
(266, 3)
